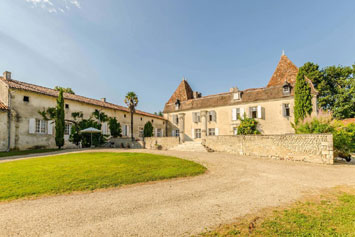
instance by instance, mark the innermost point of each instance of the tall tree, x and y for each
(148, 129)
(66, 90)
(303, 97)
(59, 121)
(131, 100)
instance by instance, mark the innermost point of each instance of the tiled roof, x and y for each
(51, 92)
(285, 70)
(182, 93)
(3, 106)
(348, 121)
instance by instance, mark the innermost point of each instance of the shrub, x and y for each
(248, 126)
(148, 129)
(115, 127)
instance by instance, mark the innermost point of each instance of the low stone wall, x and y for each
(315, 148)
(125, 143)
(163, 143)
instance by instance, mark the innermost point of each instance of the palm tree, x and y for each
(131, 100)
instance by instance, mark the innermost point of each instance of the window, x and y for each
(176, 119)
(152, 121)
(198, 133)
(236, 96)
(125, 130)
(67, 129)
(212, 116)
(140, 131)
(211, 132)
(177, 133)
(286, 110)
(238, 113)
(286, 89)
(41, 126)
(196, 117)
(67, 106)
(26, 99)
(124, 115)
(177, 105)
(141, 119)
(235, 131)
(159, 132)
(253, 112)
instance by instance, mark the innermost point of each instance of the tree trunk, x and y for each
(132, 126)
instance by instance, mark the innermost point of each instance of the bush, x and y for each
(148, 129)
(115, 127)
(343, 136)
(248, 126)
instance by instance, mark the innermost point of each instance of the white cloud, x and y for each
(55, 6)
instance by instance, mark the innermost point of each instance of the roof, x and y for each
(67, 96)
(3, 106)
(182, 93)
(225, 99)
(348, 121)
(285, 71)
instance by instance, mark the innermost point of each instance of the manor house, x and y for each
(22, 127)
(193, 116)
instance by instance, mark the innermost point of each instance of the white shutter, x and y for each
(214, 116)
(259, 112)
(162, 133)
(194, 117)
(216, 131)
(32, 126)
(156, 132)
(193, 134)
(50, 127)
(128, 130)
(173, 133)
(234, 114)
(242, 112)
(283, 110)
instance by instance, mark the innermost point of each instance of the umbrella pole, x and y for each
(91, 140)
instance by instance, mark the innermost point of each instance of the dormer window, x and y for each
(236, 96)
(286, 88)
(177, 105)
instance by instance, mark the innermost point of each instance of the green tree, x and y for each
(131, 100)
(248, 126)
(100, 116)
(148, 129)
(159, 113)
(303, 97)
(66, 90)
(59, 121)
(115, 127)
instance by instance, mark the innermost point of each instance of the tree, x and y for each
(248, 126)
(101, 116)
(148, 129)
(303, 97)
(59, 121)
(115, 127)
(335, 86)
(131, 100)
(66, 90)
(159, 113)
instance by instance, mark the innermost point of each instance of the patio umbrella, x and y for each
(91, 131)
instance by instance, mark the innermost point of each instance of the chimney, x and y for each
(196, 94)
(103, 99)
(7, 75)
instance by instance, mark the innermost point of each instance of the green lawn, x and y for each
(25, 152)
(87, 171)
(333, 215)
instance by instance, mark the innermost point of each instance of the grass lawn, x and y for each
(25, 152)
(87, 171)
(332, 215)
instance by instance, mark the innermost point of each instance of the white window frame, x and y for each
(41, 126)
(211, 132)
(253, 109)
(197, 133)
(67, 129)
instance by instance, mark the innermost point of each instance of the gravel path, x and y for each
(233, 187)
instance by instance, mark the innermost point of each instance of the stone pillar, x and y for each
(182, 126)
(203, 114)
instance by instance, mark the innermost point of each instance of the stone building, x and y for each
(22, 127)
(192, 116)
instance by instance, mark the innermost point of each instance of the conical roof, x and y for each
(285, 71)
(182, 93)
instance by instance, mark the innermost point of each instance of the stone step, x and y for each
(190, 146)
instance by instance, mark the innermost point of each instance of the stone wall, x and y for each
(314, 148)
(3, 130)
(125, 143)
(165, 142)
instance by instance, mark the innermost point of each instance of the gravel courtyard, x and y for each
(232, 187)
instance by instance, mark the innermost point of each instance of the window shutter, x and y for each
(214, 116)
(234, 114)
(242, 112)
(32, 126)
(283, 109)
(156, 132)
(50, 127)
(193, 134)
(198, 117)
(173, 133)
(162, 132)
(250, 112)
(216, 131)
(128, 130)
(259, 111)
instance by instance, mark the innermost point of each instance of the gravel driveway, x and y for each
(233, 187)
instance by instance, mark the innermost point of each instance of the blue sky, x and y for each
(105, 48)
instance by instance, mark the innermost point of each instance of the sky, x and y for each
(106, 48)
